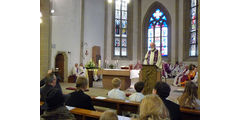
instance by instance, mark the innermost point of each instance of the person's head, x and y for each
(81, 83)
(195, 69)
(116, 82)
(54, 99)
(190, 89)
(189, 95)
(191, 67)
(186, 67)
(162, 89)
(51, 79)
(177, 63)
(152, 108)
(139, 86)
(81, 64)
(109, 115)
(76, 65)
(152, 45)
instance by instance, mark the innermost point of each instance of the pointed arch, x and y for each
(165, 16)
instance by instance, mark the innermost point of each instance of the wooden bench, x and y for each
(190, 114)
(119, 105)
(83, 114)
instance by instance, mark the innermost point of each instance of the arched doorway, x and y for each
(59, 63)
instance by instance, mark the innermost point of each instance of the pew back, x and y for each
(190, 114)
(83, 114)
(121, 105)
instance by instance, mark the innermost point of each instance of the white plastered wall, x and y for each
(65, 33)
(94, 16)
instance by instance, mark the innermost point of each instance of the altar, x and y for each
(109, 74)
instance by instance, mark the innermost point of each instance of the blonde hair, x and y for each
(189, 96)
(109, 115)
(81, 83)
(116, 82)
(153, 108)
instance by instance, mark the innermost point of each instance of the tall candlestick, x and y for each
(99, 63)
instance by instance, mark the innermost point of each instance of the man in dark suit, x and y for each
(79, 98)
(50, 83)
(58, 78)
(162, 89)
(56, 110)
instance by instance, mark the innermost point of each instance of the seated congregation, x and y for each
(180, 72)
(155, 106)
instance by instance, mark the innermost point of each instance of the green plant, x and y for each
(90, 64)
(111, 66)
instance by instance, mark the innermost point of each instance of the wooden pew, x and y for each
(119, 105)
(190, 114)
(83, 114)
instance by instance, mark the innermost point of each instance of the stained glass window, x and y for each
(158, 31)
(121, 22)
(124, 42)
(117, 42)
(193, 49)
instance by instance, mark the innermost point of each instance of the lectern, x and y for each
(149, 74)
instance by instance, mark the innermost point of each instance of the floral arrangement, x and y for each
(90, 65)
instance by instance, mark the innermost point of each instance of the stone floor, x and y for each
(98, 90)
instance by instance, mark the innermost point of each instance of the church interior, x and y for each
(111, 38)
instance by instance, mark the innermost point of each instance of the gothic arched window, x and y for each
(158, 31)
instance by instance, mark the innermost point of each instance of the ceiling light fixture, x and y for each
(109, 1)
(52, 11)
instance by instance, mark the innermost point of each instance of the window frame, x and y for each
(145, 25)
(186, 31)
(196, 31)
(161, 36)
(129, 33)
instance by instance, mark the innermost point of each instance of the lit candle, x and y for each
(99, 63)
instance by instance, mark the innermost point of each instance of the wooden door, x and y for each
(96, 54)
(59, 63)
